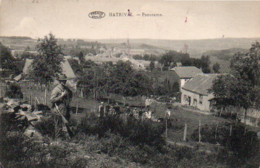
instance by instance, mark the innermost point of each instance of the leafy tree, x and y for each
(137, 57)
(26, 55)
(47, 64)
(152, 65)
(242, 86)
(7, 61)
(167, 60)
(223, 89)
(81, 57)
(119, 79)
(216, 67)
(205, 62)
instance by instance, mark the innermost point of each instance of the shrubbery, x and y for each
(135, 141)
(137, 131)
(14, 91)
(241, 142)
(18, 150)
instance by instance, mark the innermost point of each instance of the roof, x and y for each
(67, 70)
(18, 77)
(65, 65)
(187, 71)
(200, 84)
(27, 64)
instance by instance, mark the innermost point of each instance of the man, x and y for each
(60, 98)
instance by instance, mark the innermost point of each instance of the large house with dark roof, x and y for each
(195, 92)
(186, 73)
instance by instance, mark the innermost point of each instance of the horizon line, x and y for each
(93, 39)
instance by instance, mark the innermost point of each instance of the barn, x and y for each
(186, 73)
(195, 92)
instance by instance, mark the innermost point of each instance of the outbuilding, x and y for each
(196, 91)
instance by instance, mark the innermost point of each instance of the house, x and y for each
(185, 73)
(178, 64)
(66, 68)
(195, 92)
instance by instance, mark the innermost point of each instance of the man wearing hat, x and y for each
(61, 97)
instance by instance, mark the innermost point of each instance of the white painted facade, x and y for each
(196, 100)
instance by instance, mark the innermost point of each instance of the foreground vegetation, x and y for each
(114, 141)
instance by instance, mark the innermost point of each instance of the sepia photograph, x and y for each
(129, 84)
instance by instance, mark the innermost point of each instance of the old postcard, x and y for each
(119, 83)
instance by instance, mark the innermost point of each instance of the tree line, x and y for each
(240, 87)
(171, 58)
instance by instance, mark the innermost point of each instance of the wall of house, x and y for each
(182, 82)
(196, 100)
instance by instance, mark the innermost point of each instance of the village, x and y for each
(163, 100)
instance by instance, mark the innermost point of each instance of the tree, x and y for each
(168, 59)
(26, 55)
(7, 61)
(216, 67)
(152, 65)
(47, 63)
(243, 87)
(81, 57)
(222, 90)
(205, 62)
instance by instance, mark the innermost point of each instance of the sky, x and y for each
(180, 19)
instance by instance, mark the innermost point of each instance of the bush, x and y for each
(46, 126)
(14, 91)
(242, 143)
(17, 150)
(137, 131)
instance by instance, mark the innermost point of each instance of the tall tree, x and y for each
(205, 62)
(152, 65)
(47, 64)
(81, 57)
(216, 67)
(7, 61)
(243, 88)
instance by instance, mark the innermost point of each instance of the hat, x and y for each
(62, 77)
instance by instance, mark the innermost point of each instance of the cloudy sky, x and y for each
(69, 19)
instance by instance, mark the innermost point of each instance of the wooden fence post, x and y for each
(77, 107)
(185, 132)
(230, 131)
(216, 132)
(221, 110)
(199, 131)
(166, 129)
(37, 100)
(45, 96)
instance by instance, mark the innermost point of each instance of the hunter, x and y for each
(61, 97)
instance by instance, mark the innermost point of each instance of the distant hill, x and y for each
(16, 37)
(223, 57)
(225, 54)
(195, 47)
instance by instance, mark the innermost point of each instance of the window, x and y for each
(201, 99)
(195, 102)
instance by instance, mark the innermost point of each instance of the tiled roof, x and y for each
(65, 65)
(27, 65)
(200, 84)
(187, 71)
